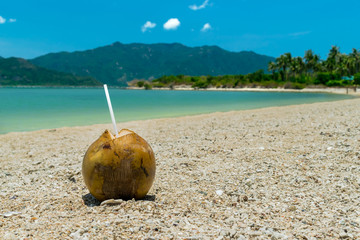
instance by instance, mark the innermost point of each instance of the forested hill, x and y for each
(118, 63)
(18, 71)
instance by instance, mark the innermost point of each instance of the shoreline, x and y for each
(279, 172)
(349, 91)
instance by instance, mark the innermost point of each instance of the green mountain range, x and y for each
(18, 71)
(118, 63)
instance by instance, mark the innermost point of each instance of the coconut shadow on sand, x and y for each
(91, 201)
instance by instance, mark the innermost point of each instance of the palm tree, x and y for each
(300, 65)
(341, 66)
(293, 67)
(350, 64)
(297, 66)
(355, 54)
(333, 59)
(308, 58)
(272, 67)
(288, 58)
(311, 62)
(316, 63)
(282, 64)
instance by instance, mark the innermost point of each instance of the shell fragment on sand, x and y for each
(9, 214)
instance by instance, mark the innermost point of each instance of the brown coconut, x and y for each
(122, 167)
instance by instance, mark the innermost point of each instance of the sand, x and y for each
(277, 173)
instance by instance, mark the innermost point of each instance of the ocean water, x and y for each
(28, 109)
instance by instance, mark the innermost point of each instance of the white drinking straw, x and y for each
(110, 109)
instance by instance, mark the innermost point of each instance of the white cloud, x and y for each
(2, 20)
(195, 8)
(206, 27)
(148, 25)
(172, 24)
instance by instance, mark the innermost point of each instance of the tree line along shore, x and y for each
(337, 70)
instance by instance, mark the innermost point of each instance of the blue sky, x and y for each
(30, 28)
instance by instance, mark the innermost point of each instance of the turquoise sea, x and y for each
(27, 109)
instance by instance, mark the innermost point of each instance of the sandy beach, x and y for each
(276, 173)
